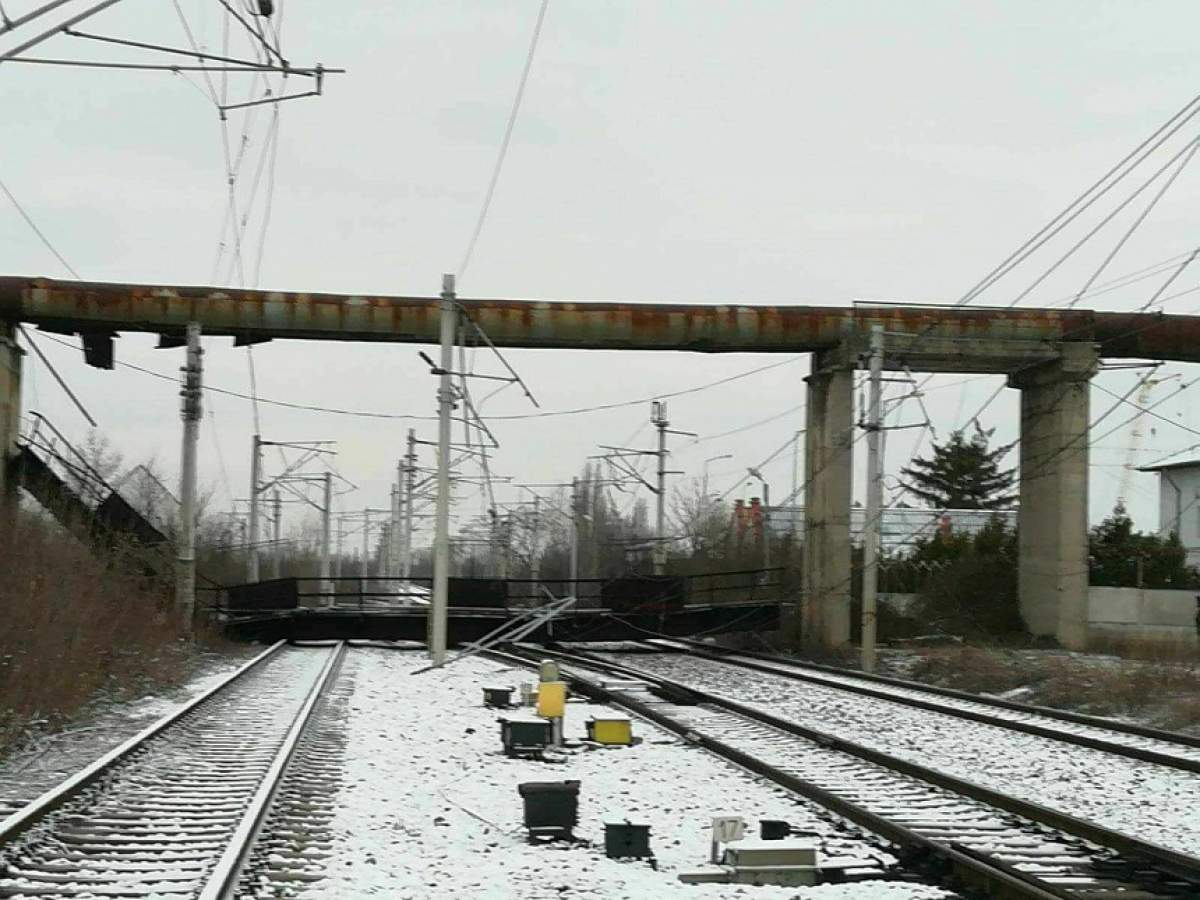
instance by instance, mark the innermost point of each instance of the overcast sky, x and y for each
(688, 151)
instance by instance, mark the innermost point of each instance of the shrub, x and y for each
(76, 626)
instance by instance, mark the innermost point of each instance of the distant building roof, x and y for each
(1182, 464)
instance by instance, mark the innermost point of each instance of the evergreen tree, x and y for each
(962, 474)
(1118, 556)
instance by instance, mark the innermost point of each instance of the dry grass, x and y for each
(76, 628)
(1158, 690)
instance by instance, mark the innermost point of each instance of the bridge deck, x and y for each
(469, 624)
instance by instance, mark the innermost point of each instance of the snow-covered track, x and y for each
(1166, 748)
(969, 835)
(174, 811)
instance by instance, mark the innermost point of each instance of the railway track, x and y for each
(968, 836)
(1166, 748)
(175, 811)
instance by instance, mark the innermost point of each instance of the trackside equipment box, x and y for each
(552, 699)
(610, 730)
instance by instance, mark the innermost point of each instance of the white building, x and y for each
(1179, 503)
(900, 527)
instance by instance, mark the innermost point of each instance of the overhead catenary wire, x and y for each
(1129, 232)
(373, 414)
(1109, 180)
(1183, 155)
(1121, 281)
(9, 23)
(25, 333)
(57, 29)
(1188, 150)
(504, 143)
(41, 235)
(1145, 410)
(154, 67)
(1170, 280)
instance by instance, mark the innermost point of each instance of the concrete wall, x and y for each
(1133, 613)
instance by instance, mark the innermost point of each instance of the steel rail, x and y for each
(966, 866)
(1165, 860)
(34, 811)
(223, 880)
(1130, 728)
(1092, 743)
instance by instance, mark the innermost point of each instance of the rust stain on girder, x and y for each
(259, 315)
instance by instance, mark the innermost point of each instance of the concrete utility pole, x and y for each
(326, 517)
(595, 506)
(535, 560)
(766, 525)
(410, 488)
(576, 515)
(185, 547)
(871, 529)
(441, 537)
(255, 478)
(277, 547)
(366, 548)
(399, 543)
(795, 495)
(337, 552)
(505, 544)
(658, 415)
(391, 545)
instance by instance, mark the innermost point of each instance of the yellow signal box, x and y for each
(611, 730)
(552, 699)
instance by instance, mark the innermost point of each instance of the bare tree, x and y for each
(701, 523)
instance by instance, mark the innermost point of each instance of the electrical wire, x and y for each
(370, 414)
(1129, 278)
(29, 335)
(1163, 133)
(508, 131)
(212, 415)
(1170, 280)
(41, 235)
(1145, 410)
(1137, 222)
(1188, 150)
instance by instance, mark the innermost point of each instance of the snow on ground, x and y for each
(33, 769)
(1149, 801)
(429, 805)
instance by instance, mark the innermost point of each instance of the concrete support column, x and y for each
(10, 406)
(828, 472)
(1053, 567)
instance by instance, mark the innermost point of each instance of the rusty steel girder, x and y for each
(256, 315)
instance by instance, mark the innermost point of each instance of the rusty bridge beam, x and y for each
(250, 315)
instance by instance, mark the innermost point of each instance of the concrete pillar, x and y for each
(828, 472)
(10, 406)
(1053, 566)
